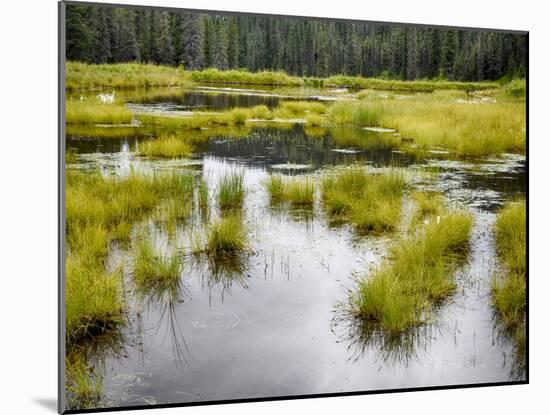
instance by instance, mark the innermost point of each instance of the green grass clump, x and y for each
(300, 191)
(418, 275)
(110, 200)
(465, 128)
(509, 291)
(226, 236)
(297, 191)
(372, 203)
(122, 75)
(239, 115)
(153, 271)
(83, 387)
(166, 147)
(212, 75)
(100, 209)
(71, 157)
(359, 113)
(364, 140)
(94, 112)
(303, 107)
(260, 112)
(510, 299)
(511, 236)
(93, 301)
(275, 187)
(314, 120)
(427, 204)
(231, 191)
(177, 209)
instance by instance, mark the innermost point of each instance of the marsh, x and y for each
(227, 245)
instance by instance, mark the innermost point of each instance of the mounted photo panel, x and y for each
(259, 207)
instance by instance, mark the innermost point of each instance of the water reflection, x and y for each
(268, 147)
(518, 338)
(162, 301)
(391, 349)
(220, 273)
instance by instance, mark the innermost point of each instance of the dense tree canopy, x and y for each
(307, 47)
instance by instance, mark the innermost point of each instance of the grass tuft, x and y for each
(166, 147)
(372, 203)
(297, 191)
(303, 107)
(231, 191)
(153, 271)
(83, 386)
(418, 275)
(226, 236)
(509, 290)
(95, 112)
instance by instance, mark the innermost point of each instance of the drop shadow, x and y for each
(49, 403)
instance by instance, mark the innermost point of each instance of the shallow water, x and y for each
(272, 325)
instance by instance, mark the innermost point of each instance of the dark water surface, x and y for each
(273, 326)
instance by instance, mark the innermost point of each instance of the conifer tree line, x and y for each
(303, 47)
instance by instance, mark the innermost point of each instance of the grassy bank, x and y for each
(115, 132)
(435, 120)
(95, 112)
(122, 75)
(414, 86)
(509, 290)
(136, 75)
(245, 77)
(418, 274)
(84, 387)
(101, 209)
(372, 203)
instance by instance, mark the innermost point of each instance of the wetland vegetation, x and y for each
(509, 288)
(221, 192)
